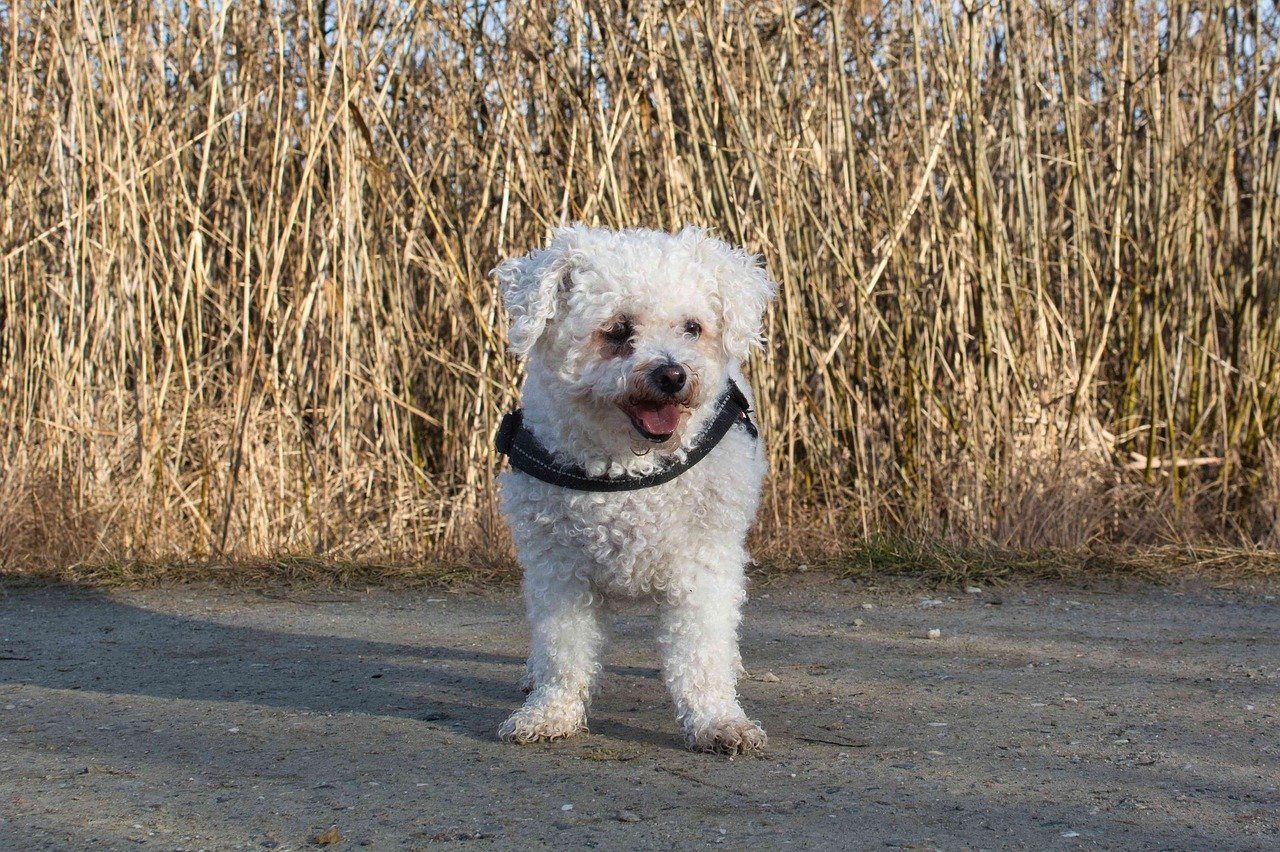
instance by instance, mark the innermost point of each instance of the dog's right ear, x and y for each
(531, 287)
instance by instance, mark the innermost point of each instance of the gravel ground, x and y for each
(1042, 717)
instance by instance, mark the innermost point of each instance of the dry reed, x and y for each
(1027, 256)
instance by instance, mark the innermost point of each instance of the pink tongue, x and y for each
(658, 419)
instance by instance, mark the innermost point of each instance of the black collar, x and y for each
(518, 443)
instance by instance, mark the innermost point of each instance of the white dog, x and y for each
(634, 341)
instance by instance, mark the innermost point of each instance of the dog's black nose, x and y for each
(669, 378)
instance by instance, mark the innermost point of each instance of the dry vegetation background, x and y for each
(1027, 255)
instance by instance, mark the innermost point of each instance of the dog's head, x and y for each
(636, 331)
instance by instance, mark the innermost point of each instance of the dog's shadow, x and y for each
(98, 643)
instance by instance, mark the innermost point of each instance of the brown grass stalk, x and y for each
(1027, 256)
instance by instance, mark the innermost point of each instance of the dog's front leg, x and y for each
(699, 640)
(564, 617)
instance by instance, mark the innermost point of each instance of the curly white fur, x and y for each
(685, 299)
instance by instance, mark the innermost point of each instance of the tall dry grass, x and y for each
(1027, 255)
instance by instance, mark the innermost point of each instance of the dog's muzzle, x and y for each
(663, 401)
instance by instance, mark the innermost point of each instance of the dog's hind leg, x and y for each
(528, 683)
(567, 636)
(699, 641)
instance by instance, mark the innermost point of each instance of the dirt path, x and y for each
(1055, 718)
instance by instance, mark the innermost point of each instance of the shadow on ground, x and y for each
(1059, 718)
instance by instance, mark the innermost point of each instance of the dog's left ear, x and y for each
(531, 287)
(743, 286)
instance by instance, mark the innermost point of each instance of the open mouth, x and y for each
(656, 421)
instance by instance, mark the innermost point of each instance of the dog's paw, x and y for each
(535, 724)
(728, 736)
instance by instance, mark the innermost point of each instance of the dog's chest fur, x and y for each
(641, 542)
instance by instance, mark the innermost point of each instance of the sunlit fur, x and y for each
(682, 543)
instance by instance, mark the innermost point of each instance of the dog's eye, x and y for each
(693, 328)
(619, 333)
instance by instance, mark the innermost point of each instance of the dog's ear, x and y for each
(744, 290)
(531, 286)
